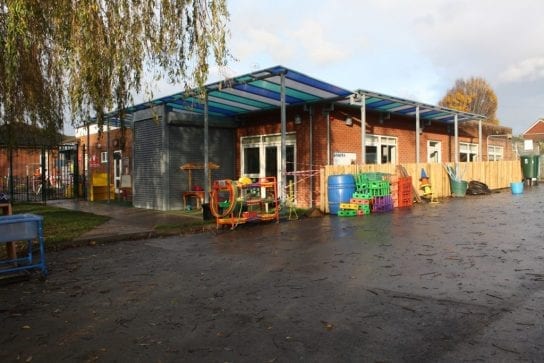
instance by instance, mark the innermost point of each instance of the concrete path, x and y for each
(126, 223)
(462, 280)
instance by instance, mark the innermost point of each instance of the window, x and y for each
(104, 157)
(468, 152)
(261, 156)
(495, 152)
(380, 149)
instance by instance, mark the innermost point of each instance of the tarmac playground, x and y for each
(461, 280)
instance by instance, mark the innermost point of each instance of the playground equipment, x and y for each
(236, 202)
(195, 192)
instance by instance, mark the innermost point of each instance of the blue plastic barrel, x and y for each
(340, 190)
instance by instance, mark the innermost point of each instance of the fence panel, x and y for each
(495, 174)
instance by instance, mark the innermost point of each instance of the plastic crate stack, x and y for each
(405, 192)
(394, 185)
(372, 194)
(380, 189)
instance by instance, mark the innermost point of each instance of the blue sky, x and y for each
(412, 49)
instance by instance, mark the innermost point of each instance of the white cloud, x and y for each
(529, 69)
(259, 40)
(412, 49)
(316, 44)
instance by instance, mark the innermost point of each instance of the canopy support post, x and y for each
(363, 129)
(418, 130)
(456, 140)
(108, 160)
(283, 181)
(206, 151)
(480, 146)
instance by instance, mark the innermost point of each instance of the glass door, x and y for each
(272, 159)
(261, 157)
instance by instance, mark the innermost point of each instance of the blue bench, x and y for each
(23, 227)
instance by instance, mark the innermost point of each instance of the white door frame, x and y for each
(117, 170)
(434, 152)
(264, 142)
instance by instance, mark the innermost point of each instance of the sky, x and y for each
(413, 49)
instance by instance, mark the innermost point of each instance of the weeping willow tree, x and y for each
(90, 56)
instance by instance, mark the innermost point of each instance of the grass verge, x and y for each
(61, 225)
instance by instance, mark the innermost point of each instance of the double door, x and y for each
(262, 157)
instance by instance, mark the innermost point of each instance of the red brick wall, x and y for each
(25, 161)
(99, 143)
(345, 138)
(348, 138)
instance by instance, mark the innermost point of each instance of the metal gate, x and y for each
(34, 174)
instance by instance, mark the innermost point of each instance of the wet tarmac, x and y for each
(462, 280)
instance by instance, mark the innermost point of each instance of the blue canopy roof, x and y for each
(390, 104)
(261, 91)
(256, 91)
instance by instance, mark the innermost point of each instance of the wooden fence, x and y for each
(495, 174)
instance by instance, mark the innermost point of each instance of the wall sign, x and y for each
(94, 163)
(340, 158)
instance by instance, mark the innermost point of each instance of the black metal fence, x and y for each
(33, 189)
(41, 174)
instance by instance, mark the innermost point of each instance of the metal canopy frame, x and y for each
(368, 100)
(253, 92)
(396, 105)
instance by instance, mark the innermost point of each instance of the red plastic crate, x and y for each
(405, 183)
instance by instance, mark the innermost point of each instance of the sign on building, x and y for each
(340, 158)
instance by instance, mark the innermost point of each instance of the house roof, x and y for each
(261, 91)
(396, 105)
(537, 128)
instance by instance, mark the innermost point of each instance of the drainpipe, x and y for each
(311, 113)
(328, 118)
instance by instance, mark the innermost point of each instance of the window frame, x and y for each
(470, 152)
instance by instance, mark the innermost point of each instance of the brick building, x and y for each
(535, 132)
(103, 151)
(252, 117)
